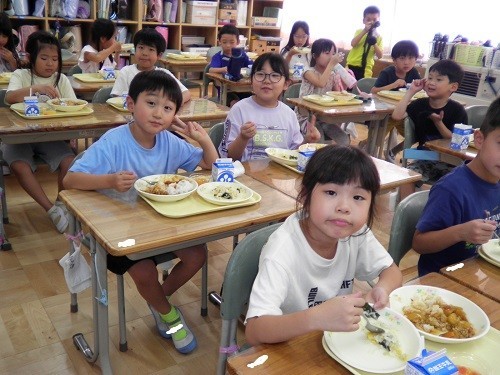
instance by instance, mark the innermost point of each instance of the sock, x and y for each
(172, 319)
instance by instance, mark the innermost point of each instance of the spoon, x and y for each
(370, 327)
(149, 182)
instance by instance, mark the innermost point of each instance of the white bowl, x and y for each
(234, 193)
(471, 362)
(492, 249)
(311, 146)
(283, 156)
(341, 96)
(71, 105)
(403, 296)
(142, 184)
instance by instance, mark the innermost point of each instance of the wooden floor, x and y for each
(36, 325)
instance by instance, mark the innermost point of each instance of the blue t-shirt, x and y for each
(457, 198)
(117, 150)
(219, 60)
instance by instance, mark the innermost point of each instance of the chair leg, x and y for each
(5, 214)
(226, 340)
(121, 313)
(204, 286)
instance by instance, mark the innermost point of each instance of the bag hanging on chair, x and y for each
(76, 270)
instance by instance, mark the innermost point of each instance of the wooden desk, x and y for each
(443, 147)
(87, 90)
(375, 111)
(183, 66)
(110, 222)
(479, 275)
(243, 85)
(288, 181)
(203, 111)
(306, 355)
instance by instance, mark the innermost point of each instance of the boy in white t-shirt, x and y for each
(149, 45)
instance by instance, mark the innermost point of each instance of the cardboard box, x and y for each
(262, 46)
(264, 21)
(223, 170)
(431, 363)
(228, 14)
(201, 12)
(229, 6)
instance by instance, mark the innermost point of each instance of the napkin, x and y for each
(239, 169)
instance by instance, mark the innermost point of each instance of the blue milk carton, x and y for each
(223, 170)
(108, 73)
(303, 159)
(431, 363)
(31, 107)
(460, 137)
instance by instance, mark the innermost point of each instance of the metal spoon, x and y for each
(149, 182)
(370, 327)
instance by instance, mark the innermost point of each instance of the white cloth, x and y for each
(276, 127)
(127, 73)
(293, 277)
(22, 78)
(92, 66)
(76, 270)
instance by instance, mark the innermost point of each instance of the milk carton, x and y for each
(108, 73)
(223, 170)
(303, 159)
(431, 363)
(31, 107)
(460, 137)
(298, 70)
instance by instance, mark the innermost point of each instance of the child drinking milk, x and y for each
(307, 267)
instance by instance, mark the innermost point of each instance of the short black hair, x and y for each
(371, 10)
(404, 48)
(339, 165)
(156, 80)
(228, 29)
(277, 62)
(319, 46)
(491, 121)
(152, 38)
(448, 68)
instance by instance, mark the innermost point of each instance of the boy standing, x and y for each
(366, 44)
(228, 38)
(140, 148)
(404, 56)
(464, 206)
(434, 117)
(149, 45)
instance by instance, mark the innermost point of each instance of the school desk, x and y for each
(110, 222)
(183, 66)
(288, 181)
(445, 151)
(375, 111)
(306, 354)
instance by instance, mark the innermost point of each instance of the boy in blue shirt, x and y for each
(463, 210)
(140, 148)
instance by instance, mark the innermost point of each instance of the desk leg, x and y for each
(372, 137)
(72, 228)
(223, 94)
(382, 127)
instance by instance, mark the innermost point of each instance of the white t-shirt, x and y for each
(92, 66)
(303, 58)
(293, 277)
(127, 73)
(22, 78)
(276, 127)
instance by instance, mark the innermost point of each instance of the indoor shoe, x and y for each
(188, 343)
(59, 218)
(161, 326)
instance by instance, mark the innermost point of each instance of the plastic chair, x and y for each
(409, 141)
(365, 85)
(206, 83)
(404, 222)
(240, 274)
(292, 91)
(212, 51)
(75, 69)
(476, 114)
(101, 95)
(216, 133)
(2, 98)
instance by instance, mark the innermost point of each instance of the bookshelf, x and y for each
(134, 20)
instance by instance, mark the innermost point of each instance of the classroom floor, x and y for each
(36, 325)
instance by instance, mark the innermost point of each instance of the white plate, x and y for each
(472, 362)
(311, 146)
(492, 249)
(356, 350)
(140, 185)
(283, 156)
(211, 190)
(72, 105)
(402, 297)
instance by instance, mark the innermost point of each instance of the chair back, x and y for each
(101, 95)
(75, 69)
(365, 85)
(2, 98)
(292, 91)
(476, 115)
(216, 133)
(404, 222)
(240, 274)
(212, 51)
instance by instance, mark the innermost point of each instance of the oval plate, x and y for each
(212, 191)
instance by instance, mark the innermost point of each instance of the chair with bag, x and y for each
(240, 274)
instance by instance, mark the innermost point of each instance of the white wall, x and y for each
(400, 19)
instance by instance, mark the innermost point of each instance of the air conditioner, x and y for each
(478, 86)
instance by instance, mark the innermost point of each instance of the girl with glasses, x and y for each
(262, 120)
(319, 79)
(297, 48)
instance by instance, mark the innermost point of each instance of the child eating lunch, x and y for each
(140, 148)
